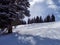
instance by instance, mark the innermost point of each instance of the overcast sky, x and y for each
(45, 7)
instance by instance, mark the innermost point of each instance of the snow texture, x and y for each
(33, 34)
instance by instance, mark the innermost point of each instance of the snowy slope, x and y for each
(33, 34)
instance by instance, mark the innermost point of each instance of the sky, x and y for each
(44, 8)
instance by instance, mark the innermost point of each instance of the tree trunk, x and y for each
(10, 29)
(10, 26)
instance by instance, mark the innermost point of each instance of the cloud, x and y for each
(44, 7)
(59, 1)
(53, 7)
(36, 1)
(49, 2)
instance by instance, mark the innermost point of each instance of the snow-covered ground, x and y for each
(33, 34)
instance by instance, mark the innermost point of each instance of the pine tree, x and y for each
(23, 22)
(45, 20)
(13, 10)
(48, 19)
(29, 21)
(41, 20)
(37, 19)
(23, 6)
(34, 20)
(52, 18)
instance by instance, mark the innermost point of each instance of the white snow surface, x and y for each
(33, 34)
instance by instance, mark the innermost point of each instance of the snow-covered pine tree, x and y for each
(23, 6)
(12, 10)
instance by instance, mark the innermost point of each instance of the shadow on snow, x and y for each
(19, 39)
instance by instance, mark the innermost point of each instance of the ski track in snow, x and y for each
(33, 34)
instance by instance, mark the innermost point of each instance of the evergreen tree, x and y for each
(52, 18)
(45, 20)
(41, 20)
(22, 22)
(13, 10)
(34, 20)
(29, 21)
(37, 19)
(48, 19)
(23, 6)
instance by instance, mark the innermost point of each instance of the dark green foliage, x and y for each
(52, 18)
(47, 19)
(37, 19)
(22, 22)
(28, 21)
(9, 15)
(41, 20)
(23, 6)
(3, 21)
(34, 20)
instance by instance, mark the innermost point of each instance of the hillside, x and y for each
(33, 34)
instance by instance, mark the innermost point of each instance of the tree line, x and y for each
(38, 19)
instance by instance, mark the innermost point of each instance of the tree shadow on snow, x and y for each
(20, 39)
